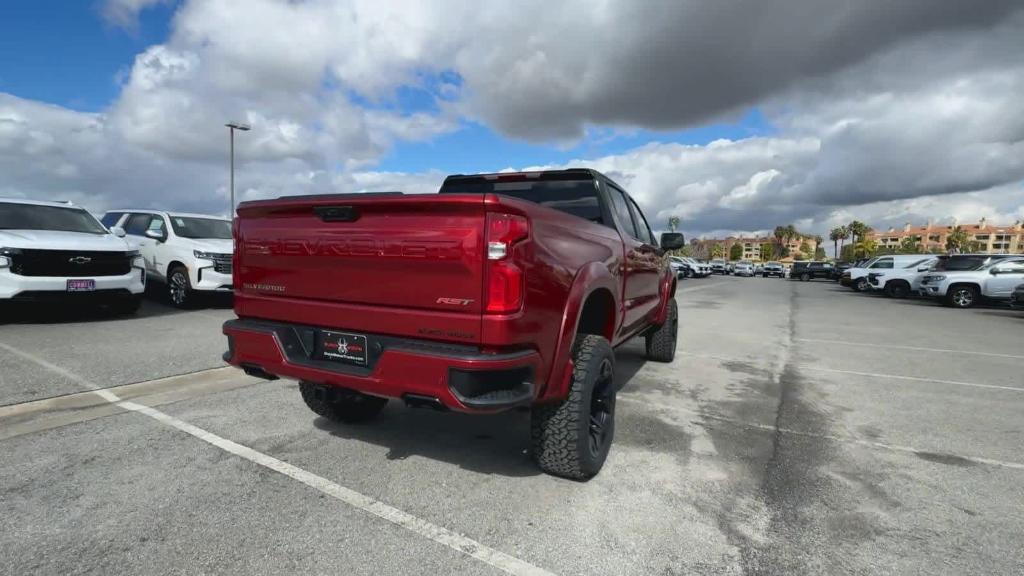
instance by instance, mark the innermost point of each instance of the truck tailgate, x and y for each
(415, 253)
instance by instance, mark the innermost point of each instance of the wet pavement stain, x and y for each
(947, 459)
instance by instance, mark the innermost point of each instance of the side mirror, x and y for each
(672, 241)
(117, 231)
(923, 268)
(994, 271)
(156, 235)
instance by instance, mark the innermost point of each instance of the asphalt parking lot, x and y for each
(802, 429)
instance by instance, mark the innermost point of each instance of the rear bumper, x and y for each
(459, 377)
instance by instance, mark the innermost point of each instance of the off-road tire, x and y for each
(560, 433)
(661, 343)
(179, 288)
(897, 289)
(961, 296)
(340, 405)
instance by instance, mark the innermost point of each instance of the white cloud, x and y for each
(124, 13)
(878, 110)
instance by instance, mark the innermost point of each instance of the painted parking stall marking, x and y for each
(439, 534)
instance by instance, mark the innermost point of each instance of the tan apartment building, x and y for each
(703, 248)
(932, 237)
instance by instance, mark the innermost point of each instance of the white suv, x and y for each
(962, 280)
(58, 252)
(857, 278)
(901, 282)
(186, 252)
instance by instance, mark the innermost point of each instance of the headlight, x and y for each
(5, 256)
(938, 278)
(138, 262)
(203, 255)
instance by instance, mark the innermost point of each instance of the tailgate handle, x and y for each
(337, 213)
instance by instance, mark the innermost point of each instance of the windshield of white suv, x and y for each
(189, 227)
(14, 216)
(961, 263)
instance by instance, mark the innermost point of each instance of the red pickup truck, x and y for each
(500, 291)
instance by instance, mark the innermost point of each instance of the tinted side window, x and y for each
(137, 224)
(156, 223)
(883, 263)
(621, 210)
(643, 230)
(111, 219)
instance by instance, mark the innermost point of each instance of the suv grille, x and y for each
(70, 263)
(222, 263)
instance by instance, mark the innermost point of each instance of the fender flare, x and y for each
(589, 278)
(666, 291)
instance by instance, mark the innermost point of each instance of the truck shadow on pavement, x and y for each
(489, 444)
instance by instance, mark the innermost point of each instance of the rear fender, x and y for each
(590, 278)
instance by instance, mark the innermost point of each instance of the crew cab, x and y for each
(962, 281)
(901, 282)
(501, 291)
(56, 252)
(188, 253)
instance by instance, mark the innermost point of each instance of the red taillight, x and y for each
(236, 252)
(504, 278)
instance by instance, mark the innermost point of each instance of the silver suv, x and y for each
(961, 281)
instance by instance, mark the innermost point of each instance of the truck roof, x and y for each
(171, 214)
(57, 203)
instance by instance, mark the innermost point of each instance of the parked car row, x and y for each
(686, 267)
(958, 280)
(56, 252)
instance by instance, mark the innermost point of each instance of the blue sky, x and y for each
(63, 52)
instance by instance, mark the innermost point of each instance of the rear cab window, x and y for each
(574, 194)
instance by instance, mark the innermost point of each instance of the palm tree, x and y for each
(865, 248)
(910, 245)
(834, 235)
(844, 235)
(779, 233)
(857, 230)
(957, 240)
(673, 223)
(791, 233)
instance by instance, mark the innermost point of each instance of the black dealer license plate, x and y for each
(343, 347)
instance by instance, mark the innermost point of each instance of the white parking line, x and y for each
(914, 348)
(865, 374)
(439, 534)
(909, 378)
(845, 439)
(695, 288)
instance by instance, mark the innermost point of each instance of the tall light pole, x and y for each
(232, 126)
